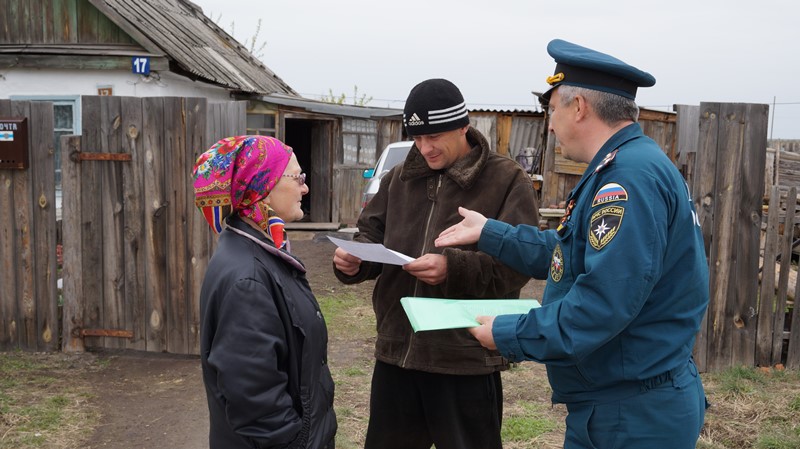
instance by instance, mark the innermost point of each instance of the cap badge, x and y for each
(557, 78)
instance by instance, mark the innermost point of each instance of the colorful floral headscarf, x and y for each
(235, 176)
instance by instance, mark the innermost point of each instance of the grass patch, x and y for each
(531, 422)
(42, 405)
(347, 315)
(752, 408)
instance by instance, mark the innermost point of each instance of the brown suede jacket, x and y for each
(413, 205)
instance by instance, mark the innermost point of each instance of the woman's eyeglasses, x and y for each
(301, 178)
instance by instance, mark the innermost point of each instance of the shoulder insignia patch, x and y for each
(608, 193)
(557, 264)
(604, 226)
(606, 160)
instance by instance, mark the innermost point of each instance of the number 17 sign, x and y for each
(140, 65)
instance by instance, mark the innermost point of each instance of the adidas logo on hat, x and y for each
(414, 120)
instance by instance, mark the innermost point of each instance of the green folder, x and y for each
(426, 314)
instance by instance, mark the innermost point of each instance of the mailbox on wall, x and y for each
(13, 143)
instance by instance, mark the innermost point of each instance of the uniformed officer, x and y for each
(627, 277)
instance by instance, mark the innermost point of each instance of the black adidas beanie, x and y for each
(434, 106)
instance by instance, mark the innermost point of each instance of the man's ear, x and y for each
(581, 107)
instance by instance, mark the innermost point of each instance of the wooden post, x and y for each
(766, 303)
(779, 316)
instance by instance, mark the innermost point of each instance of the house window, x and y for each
(359, 141)
(262, 124)
(64, 125)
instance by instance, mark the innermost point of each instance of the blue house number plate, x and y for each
(141, 66)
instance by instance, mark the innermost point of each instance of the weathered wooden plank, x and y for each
(718, 352)
(133, 212)
(23, 210)
(686, 129)
(72, 291)
(9, 329)
(549, 177)
(88, 17)
(565, 166)
(111, 201)
(64, 22)
(748, 124)
(503, 134)
(746, 131)
(198, 235)
(766, 306)
(7, 25)
(783, 282)
(793, 351)
(175, 170)
(20, 15)
(91, 219)
(36, 21)
(43, 219)
(155, 216)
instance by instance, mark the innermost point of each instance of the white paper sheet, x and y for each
(372, 252)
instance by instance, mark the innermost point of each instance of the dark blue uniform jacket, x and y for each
(627, 278)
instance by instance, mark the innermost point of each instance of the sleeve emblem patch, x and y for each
(557, 264)
(608, 193)
(604, 226)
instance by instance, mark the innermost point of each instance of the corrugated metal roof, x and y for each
(322, 107)
(194, 42)
(504, 110)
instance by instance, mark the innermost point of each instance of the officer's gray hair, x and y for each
(610, 108)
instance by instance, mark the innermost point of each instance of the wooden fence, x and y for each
(28, 298)
(135, 248)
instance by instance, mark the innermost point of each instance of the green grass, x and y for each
(527, 425)
(765, 404)
(347, 315)
(41, 405)
(740, 381)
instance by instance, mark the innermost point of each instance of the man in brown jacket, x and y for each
(437, 387)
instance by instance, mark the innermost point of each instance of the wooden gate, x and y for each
(135, 247)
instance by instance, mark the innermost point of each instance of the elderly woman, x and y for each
(263, 339)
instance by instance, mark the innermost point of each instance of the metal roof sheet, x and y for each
(332, 108)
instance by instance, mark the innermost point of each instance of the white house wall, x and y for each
(35, 83)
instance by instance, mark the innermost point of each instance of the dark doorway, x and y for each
(310, 140)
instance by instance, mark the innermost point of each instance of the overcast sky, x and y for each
(738, 51)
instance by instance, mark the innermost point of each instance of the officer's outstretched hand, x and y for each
(483, 333)
(466, 232)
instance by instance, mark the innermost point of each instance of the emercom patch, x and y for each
(604, 226)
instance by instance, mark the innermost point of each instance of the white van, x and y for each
(393, 154)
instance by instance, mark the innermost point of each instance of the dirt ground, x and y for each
(157, 401)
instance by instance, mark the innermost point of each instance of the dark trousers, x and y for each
(413, 409)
